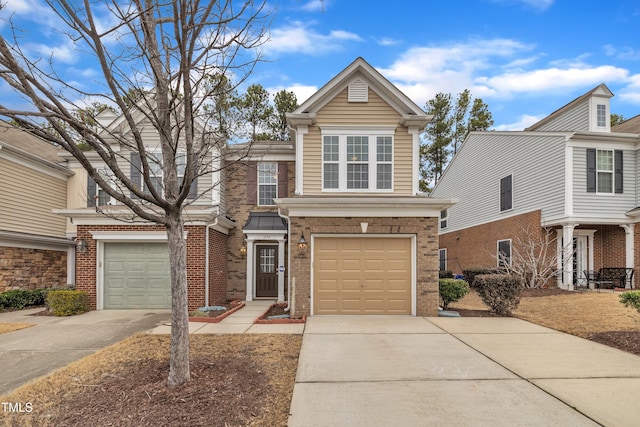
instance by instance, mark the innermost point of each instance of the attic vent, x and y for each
(358, 91)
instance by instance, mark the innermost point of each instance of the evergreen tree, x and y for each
(254, 109)
(285, 102)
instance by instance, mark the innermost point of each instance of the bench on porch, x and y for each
(610, 277)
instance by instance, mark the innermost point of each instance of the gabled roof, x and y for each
(631, 125)
(600, 90)
(23, 142)
(409, 110)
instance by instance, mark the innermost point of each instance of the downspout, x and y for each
(280, 214)
(206, 258)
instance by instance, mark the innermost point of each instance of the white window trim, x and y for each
(372, 133)
(445, 258)
(604, 107)
(498, 251)
(445, 219)
(258, 184)
(612, 172)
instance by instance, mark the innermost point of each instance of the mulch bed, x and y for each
(278, 310)
(216, 316)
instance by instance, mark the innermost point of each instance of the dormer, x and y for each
(600, 109)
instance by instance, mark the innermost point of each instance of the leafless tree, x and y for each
(533, 256)
(161, 51)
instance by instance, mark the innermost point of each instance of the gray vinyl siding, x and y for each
(577, 119)
(473, 177)
(602, 205)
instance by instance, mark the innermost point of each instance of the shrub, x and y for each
(471, 273)
(451, 290)
(19, 299)
(445, 274)
(500, 292)
(67, 302)
(631, 299)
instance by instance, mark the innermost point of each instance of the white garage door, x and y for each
(136, 276)
(362, 275)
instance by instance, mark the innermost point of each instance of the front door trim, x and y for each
(258, 237)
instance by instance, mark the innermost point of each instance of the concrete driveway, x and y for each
(374, 371)
(56, 341)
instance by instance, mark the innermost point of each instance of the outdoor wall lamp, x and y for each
(243, 250)
(82, 245)
(302, 244)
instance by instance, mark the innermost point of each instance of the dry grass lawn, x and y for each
(581, 314)
(10, 327)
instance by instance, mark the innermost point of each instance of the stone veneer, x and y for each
(22, 268)
(425, 230)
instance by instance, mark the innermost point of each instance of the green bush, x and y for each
(471, 273)
(631, 299)
(445, 274)
(19, 299)
(451, 290)
(500, 292)
(67, 302)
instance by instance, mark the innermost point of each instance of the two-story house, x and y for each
(34, 249)
(331, 222)
(569, 174)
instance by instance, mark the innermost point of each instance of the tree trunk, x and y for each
(179, 372)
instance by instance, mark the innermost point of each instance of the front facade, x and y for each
(34, 250)
(570, 180)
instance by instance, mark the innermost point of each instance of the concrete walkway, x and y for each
(54, 342)
(374, 371)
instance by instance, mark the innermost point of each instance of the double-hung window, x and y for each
(506, 193)
(601, 115)
(102, 197)
(605, 171)
(504, 253)
(155, 172)
(444, 216)
(604, 165)
(267, 183)
(357, 161)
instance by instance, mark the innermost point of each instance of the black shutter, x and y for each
(91, 192)
(136, 172)
(591, 170)
(193, 190)
(506, 193)
(252, 183)
(283, 179)
(617, 167)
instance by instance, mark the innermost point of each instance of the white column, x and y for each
(281, 270)
(250, 264)
(301, 131)
(629, 245)
(567, 242)
(71, 265)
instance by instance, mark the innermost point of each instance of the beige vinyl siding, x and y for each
(27, 197)
(375, 112)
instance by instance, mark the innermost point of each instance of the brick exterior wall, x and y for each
(22, 268)
(425, 230)
(476, 247)
(196, 261)
(238, 210)
(217, 267)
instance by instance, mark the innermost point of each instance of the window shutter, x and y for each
(136, 173)
(91, 192)
(252, 183)
(617, 167)
(193, 190)
(283, 180)
(506, 193)
(591, 170)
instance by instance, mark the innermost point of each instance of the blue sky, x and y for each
(524, 58)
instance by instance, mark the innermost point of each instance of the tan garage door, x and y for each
(362, 275)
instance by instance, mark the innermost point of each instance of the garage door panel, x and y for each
(373, 275)
(136, 275)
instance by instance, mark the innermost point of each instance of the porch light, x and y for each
(302, 244)
(82, 245)
(243, 250)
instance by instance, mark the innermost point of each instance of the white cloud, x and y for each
(524, 122)
(387, 41)
(631, 93)
(299, 37)
(65, 52)
(535, 4)
(302, 92)
(315, 6)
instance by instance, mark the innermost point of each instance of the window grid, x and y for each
(604, 165)
(384, 154)
(444, 216)
(331, 159)
(268, 260)
(504, 253)
(357, 158)
(267, 183)
(601, 113)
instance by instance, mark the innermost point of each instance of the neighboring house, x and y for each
(34, 249)
(332, 222)
(570, 173)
